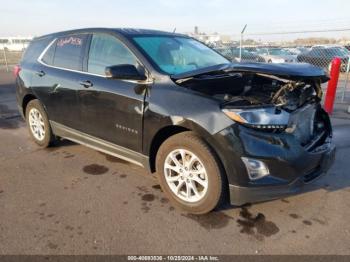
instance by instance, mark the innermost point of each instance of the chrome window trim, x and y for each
(39, 60)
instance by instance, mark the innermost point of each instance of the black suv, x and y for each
(210, 129)
(322, 56)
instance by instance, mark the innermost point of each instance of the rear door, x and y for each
(111, 109)
(56, 78)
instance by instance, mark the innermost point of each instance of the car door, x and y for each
(56, 79)
(111, 109)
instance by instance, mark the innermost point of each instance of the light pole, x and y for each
(241, 42)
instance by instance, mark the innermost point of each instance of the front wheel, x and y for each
(38, 124)
(189, 173)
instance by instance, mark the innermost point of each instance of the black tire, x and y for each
(48, 138)
(329, 67)
(215, 191)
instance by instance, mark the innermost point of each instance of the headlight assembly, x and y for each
(268, 118)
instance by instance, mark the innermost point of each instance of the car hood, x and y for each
(287, 71)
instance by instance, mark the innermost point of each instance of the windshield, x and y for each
(175, 55)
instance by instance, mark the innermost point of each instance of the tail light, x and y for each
(16, 70)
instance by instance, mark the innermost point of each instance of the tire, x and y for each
(329, 67)
(192, 146)
(343, 68)
(35, 110)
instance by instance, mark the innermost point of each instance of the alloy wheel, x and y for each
(36, 124)
(186, 175)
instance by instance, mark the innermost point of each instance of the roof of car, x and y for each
(122, 31)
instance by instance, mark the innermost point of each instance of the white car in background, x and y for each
(277, 55)
(297, 50)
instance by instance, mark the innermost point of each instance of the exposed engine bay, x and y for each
(268, 102)
(251, 89)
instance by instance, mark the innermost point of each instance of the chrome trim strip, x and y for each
(45, 50)
(99, 144)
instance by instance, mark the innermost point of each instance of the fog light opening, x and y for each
(256, 169)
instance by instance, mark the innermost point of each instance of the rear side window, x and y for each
(69, 52)
(35, 48)
(49, 54)
(107, 50)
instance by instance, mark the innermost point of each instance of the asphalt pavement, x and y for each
(70, 199)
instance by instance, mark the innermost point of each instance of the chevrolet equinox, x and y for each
(212, 130)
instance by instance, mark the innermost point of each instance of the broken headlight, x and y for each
(266, 118)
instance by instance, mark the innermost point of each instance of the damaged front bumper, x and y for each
(290, 163)
(240, 195)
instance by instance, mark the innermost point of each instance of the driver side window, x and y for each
(107, 50)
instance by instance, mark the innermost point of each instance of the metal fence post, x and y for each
(346, 80)
(240, 44)
(7, 66)
(240, 48)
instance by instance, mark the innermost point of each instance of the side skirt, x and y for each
(100, 145)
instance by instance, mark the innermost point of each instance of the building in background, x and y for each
(214, 39)
(14, 43)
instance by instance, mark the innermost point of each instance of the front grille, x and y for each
(302, 122)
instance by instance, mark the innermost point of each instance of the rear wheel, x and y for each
(189, 173)
(38, 124)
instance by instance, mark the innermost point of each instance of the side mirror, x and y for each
(126, 72)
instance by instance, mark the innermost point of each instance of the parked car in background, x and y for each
(233, 54)
(251, 49)
(226, 52)
(297, 50)
(276, 55)
(322, 56)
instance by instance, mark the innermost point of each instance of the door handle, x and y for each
(40, 73)
(86, 84)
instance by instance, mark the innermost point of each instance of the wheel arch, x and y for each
(158, 139)
(166, 132)
(26, 99)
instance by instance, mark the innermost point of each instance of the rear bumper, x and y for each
(240, 195)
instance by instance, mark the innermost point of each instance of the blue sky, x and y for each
(36, 17)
